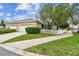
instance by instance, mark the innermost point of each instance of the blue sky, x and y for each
(20, 11)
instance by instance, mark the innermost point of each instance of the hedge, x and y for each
(3, 31)
(32, 30)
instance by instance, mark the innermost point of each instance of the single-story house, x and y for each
(22, 24)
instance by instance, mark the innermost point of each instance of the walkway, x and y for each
(5, 37)
(29, 43)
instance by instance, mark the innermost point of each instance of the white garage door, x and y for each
(22, 28)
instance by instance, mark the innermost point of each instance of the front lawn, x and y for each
(27, 37)
(63, 47)
(4, 31)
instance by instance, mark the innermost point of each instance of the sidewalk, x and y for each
(29, 43)
(5, 37)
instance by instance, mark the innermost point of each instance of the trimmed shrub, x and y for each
(69, 28)
(3, 31)
(32, 30)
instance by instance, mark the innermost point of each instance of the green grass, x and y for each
(27, 37)
(63, 47)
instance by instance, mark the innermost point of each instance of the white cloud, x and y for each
(37, 6)
(1, 7)
(23, 6)
(8, 19)
(20, 17)
(8, 14)
(32, 12)
(1, 14)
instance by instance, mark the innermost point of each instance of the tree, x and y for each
(60, 14)
(2, 23)
(46, 16)
(75, 22)
(76, 11)
(57, 16)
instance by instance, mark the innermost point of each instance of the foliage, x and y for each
(46, 16)
(76, 9)
(2, 23)
(32, 30)
(75, 22)
(61, 14)
(57, 16)
(64, 26)
(69, 28)
(3, 31)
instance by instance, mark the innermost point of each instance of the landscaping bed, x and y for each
(63, 47)
(27, 37)
(3, 31)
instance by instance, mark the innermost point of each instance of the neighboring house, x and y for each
(74, 27)
(22, 24)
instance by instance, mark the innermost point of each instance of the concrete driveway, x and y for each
(29, 43)
(5, 37)
(4, 52)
